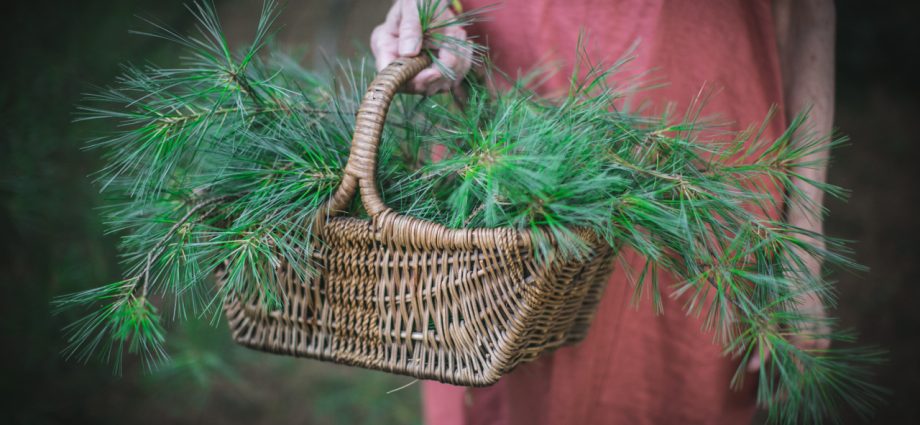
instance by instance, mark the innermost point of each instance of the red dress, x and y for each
(634, 367)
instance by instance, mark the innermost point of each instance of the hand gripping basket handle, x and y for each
(361, 169)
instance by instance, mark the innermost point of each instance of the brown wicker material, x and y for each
(403, 295)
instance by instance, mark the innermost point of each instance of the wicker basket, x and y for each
(403, 295)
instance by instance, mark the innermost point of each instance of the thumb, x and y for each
(410, 30)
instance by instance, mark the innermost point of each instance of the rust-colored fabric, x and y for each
(634, 367)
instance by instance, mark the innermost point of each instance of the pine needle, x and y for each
(222, 162)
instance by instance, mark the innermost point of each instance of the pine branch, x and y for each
(224, 160)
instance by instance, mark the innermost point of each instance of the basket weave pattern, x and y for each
(403, 295)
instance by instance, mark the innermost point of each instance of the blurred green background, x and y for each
(53, 241)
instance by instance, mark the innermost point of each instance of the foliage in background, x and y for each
(224, 162)
(668, 212)
(54, 242)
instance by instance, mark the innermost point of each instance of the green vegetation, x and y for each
(224, 160)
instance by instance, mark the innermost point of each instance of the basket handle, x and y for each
(361, 169)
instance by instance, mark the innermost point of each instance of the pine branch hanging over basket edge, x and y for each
(226, 161)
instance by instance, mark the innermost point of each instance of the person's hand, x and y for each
(400, 35)
(814, 338)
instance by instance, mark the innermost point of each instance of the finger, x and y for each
(458, 64)
(438, 86)
(384, 46)
(423, 80)
(450, 70)
(458, 61)
(382, 59)
(463, 67)
(384, 40)
(410, 30)
(437, 83)
(393, 16)
(450, 61)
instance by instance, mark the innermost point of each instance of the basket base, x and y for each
(462, 317)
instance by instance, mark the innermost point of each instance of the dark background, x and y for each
(53, 240)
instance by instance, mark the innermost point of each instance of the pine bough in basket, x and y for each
(336, 236)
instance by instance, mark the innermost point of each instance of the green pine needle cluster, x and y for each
(223, 162)
(434, 21)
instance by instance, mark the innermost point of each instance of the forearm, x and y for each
(805, 36)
